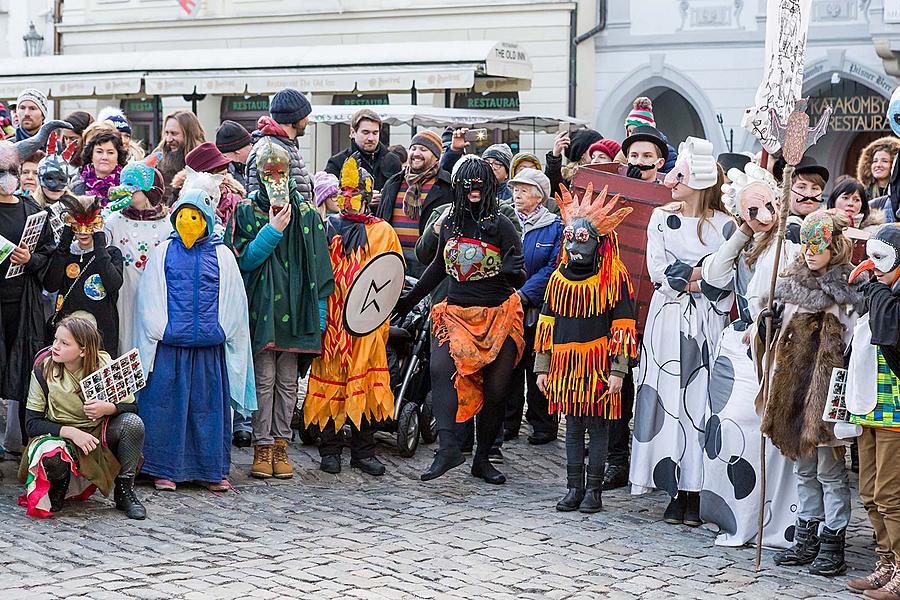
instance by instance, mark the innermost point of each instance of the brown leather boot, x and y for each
(884, 570)
(889, 591)
(281, 466)
(262, 462)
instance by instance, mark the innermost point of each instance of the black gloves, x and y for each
(776, 313)
(512, 264)
(634, 172)
(404, 305)
(678, 274)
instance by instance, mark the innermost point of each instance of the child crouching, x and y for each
(585, 339)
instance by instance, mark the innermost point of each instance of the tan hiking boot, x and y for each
(262, 462)
(281, 466)
(884, 570)
(889, 591)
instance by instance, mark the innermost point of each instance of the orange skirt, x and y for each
(476, 334)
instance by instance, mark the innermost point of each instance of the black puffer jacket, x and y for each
(299, 172)
(381, 164)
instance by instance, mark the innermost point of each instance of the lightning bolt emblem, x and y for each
(372, 295)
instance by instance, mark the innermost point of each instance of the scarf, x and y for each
(94, 186)
(412, 201)
(530, 220)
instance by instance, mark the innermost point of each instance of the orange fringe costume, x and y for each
(476, 334)
(587, 320)
(351, 379)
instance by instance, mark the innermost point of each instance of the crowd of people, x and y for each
(228, 265)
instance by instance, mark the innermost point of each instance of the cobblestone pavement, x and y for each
(350, 536)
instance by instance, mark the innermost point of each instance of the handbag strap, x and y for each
(74, 283)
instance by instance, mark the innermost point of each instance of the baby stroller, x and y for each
(408, 360)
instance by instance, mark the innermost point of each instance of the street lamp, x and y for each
(34, 42)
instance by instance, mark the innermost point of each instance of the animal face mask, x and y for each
(209, 183)
(356, 187)
(53, 173)
(273, 166)
(695, 167)
(191, 225)
(582, 240)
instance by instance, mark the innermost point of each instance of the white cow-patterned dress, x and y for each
(679, 337)
(730, 495)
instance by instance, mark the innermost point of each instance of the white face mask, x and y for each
(9, 183)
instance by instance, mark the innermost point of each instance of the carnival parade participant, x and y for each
(191, 330)
(850, 197)
(136, 231)
(807, 185)
(586, 338)
(873, 386)
(78, 447)
(86, 271)
(478, 329)
(282, 252)
(22, 314)
(684, 317)
(731, 464)
(351, 381)
(817, 310)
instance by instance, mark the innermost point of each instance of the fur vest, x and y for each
(808, 348)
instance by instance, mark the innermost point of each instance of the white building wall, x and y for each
(712, 52)
(542, 28)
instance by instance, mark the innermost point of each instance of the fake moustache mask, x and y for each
(273, 166)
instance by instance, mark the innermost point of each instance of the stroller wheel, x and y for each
(427, 424)
(408, 430)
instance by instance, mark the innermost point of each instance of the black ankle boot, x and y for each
(127, 501)
(674, 513)
(57, 492)
(483, 469)
(830, 561)
(692, 509)
(593, 501)
(805, 548)
(444, 460)
(575, 481)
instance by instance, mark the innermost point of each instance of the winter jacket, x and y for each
(269, 129)
(541, 249)
(886, 206)
(819, 316)
(440, 193)
(239, 172)
(381, 164)
(864, 165)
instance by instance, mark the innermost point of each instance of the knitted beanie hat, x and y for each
(429, 139)
(36, 96)
(642, 113)
(611, 148)
(289, 106)
(501, 153)
(325, 185)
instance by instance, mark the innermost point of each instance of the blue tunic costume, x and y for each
(191, 329)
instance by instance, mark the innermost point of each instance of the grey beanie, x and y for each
(499, 152)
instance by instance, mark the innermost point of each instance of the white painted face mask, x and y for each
(9, 183)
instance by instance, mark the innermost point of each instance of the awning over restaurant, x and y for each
(389, 67)
(431, 116)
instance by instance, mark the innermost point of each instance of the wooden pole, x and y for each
(768, 350)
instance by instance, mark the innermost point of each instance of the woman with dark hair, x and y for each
(79, 121)
(851, 197)
(478, 329)
(103, 158)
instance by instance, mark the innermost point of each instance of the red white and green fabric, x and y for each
(37, 485)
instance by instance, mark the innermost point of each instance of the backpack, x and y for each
(38, 370)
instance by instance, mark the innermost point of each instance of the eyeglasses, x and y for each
(494, 163)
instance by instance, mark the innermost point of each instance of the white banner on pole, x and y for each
(787, 22)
